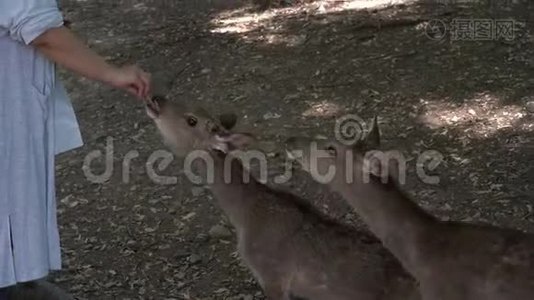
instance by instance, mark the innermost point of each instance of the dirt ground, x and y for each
(285, 71)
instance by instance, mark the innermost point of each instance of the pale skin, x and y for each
(63, 47)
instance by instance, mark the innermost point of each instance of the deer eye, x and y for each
(192, 121)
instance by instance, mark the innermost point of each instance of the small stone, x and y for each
(150, 230)
(66, 199)
(189, 216)
(194, 258)
(270, 115)
(73, 204)
(180, 275)
(197, 191)
(153, 201)
(530, 106)
(200, 238)
(221, 291)
(219, 231)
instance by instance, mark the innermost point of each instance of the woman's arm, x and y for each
(64, 48)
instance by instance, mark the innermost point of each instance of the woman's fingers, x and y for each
(143, 83)
(132, 90)
(133, 80)
(145, 78)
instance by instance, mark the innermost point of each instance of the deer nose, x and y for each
(159, 100)
(153, 107)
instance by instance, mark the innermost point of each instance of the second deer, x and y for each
(451, 260)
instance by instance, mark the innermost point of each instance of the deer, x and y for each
(451, 260)
(293, 250)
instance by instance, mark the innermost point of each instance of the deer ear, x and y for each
(228, 120)
(372, 139)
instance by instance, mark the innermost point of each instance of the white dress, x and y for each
(37, 122)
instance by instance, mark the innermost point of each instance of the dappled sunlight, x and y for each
(377, 4)
(239, 21)
(481, 116)
(323, 110)
(244, 21)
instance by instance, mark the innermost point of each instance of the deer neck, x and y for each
(396, 220)
(234, 188)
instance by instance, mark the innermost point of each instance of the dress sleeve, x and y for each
(24, 20)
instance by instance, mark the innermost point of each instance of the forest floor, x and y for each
(288, 71)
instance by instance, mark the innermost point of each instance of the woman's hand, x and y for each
(63, 47)
(131, 79)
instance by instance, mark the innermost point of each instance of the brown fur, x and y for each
(451, 260)
(292, 250)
